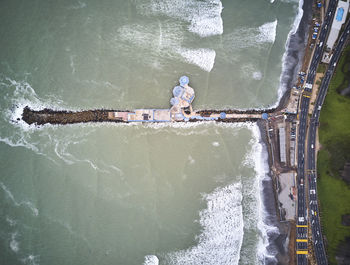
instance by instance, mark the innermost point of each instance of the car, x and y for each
(312, 146)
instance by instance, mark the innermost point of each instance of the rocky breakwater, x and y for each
(50, 116)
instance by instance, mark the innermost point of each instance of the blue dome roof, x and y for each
(174, 101)
(178, 91)
(222, 115)
(184, 80)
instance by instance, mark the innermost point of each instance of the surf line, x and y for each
(181, 111)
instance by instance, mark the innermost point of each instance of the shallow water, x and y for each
(129, 194)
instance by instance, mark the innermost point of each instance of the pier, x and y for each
(180, 111)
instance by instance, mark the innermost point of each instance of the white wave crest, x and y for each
(285, 64)
(258, 159)
(222, 222)
(204, 58)
(246, 37)
(204, 16)
(267, 32)
(298, 17)
(151, 260)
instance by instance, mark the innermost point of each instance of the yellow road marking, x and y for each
(301, 240)
(303, 252)
(301, 225)
(306, 96)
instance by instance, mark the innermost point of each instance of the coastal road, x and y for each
(302, 220)
(311, 159)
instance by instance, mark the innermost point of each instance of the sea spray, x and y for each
(260, 155)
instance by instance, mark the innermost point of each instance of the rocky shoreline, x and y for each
(284, 242)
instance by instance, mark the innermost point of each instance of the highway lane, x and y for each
(302, 222)
(312, 175)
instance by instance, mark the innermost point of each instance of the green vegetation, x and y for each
(334, 135)
(321, 68)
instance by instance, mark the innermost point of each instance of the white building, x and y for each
(338, 21)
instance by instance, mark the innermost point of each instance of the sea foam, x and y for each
(246, 37)
(258, 158)
(14, 245)
(31, 259)
(221, 238)
(151, 260)
(267, 32)
(204, 16)
(165, 41)
(28, 204)
(204, 58)
(287, 62)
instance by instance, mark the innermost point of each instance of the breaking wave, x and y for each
(289, 62)
(267, 32)
(151, 260)
(252, 37)
(44, 140)
(258, 158)
(204, 58)
(222, 222)
(165, 41)
(204, 16)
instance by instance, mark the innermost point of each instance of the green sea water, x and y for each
(136, 194)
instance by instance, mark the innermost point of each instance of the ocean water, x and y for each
(137, 194)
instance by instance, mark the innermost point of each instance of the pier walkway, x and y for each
(180, 111)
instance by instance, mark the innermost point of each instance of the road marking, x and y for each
(301, 240)
(301, 225)
(302, 252)
(306, 96)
